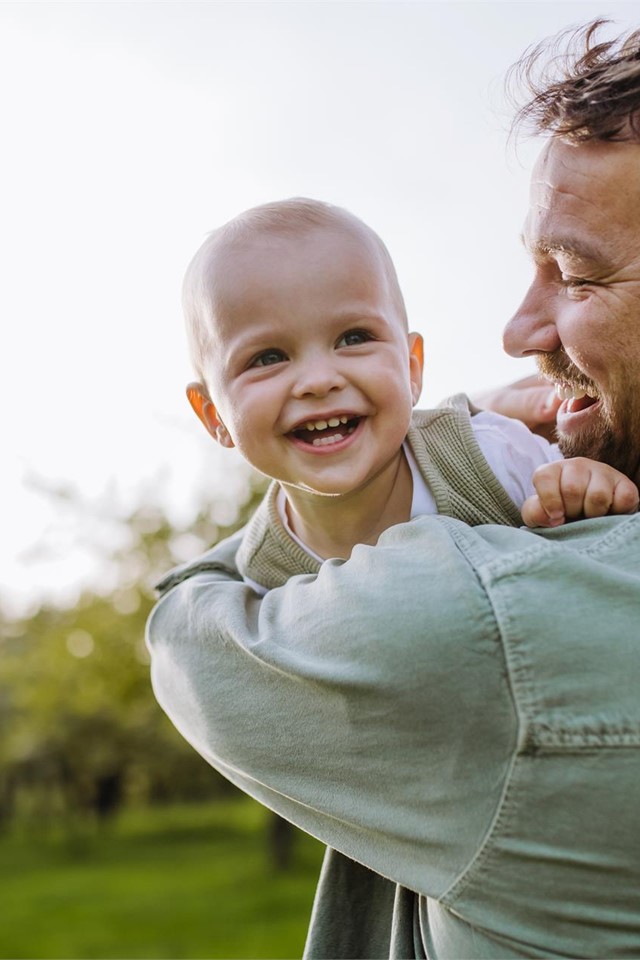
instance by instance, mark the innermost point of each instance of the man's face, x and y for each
(581, 315)
(312, 373)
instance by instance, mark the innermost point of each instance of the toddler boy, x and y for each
(299, 336)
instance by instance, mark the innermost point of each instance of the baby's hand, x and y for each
(575, 488)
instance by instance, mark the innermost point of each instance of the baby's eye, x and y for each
(267, 358)
(353, 337)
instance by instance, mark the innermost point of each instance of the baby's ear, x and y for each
(416, 363)
(201, 402)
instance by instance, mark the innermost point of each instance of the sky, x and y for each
(130, 130)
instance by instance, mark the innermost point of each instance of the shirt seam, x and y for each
(465, 876)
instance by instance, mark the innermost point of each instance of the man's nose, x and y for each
(317, 377)
(532, 329)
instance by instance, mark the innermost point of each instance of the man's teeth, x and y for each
(323, 424)
(566, 392)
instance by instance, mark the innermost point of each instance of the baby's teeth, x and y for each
(323, 441)
(323, 424)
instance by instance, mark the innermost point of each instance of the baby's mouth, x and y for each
(321, 433)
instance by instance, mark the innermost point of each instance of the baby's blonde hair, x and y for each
(282, 218)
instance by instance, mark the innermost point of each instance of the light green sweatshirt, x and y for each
(456, 709)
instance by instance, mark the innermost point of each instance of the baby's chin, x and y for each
(314, 492)
(329, 493)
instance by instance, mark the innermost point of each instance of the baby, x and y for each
(299, 337)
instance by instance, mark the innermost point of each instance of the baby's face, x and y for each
(312, 371)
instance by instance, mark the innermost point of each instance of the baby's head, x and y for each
(298, 335)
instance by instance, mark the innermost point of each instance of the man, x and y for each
(455, 710)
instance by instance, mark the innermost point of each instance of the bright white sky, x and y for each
(130, 130)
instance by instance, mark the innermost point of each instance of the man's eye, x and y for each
(353, 337)
(573, 283)
(267, 358)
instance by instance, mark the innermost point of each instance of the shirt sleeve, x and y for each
(512, 451)
(347, 702)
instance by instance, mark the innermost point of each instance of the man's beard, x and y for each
(615, 443)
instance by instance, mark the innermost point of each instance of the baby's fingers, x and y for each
(586, 488)
(606, 490)
(625, 496)
(535, 515)
(547, 482)
(609, 492)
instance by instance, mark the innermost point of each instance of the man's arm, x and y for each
(349, 703)
(531, 400)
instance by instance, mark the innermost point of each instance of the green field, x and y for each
(178, 882)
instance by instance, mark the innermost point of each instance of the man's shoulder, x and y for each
(219, 559)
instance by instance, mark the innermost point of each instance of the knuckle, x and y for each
(600, 499)
(571, 488)
(629, 500)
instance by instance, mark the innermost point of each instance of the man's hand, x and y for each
(575, 488)
(531, 400)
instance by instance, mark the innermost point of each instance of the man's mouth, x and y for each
(321, 433)
(577, 391)
(577, 396)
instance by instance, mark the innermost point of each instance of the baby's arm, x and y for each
(575, 488)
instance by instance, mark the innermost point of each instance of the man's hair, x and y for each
(579, 87)
(284, 218)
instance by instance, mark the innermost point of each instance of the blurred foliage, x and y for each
(182, 880)
(80, 730)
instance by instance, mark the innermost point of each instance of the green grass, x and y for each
(178, 882)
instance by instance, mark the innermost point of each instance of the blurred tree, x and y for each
(80, 730)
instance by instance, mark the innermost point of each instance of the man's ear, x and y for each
(416, 363)
(206, 412)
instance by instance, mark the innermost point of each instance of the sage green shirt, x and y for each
(456, 709)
